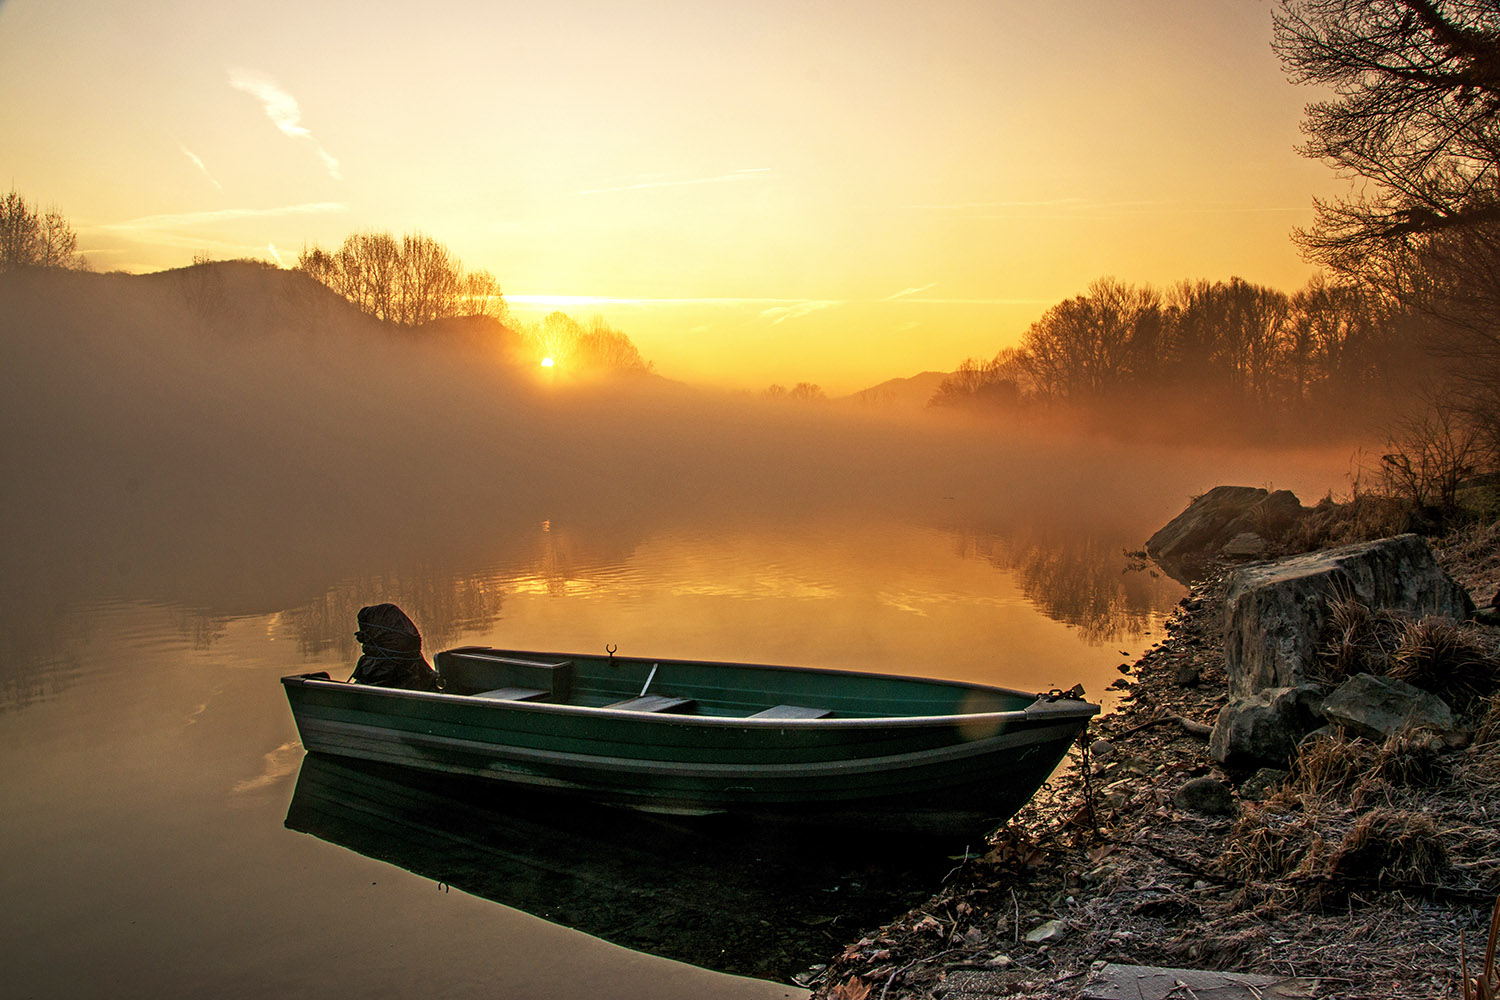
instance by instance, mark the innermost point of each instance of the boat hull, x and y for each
(921, 774)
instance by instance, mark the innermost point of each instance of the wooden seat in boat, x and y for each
(656, 703)
(791, 712)
(512, 694)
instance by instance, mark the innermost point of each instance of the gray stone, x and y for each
(1197, 536)
(1205, 795)
(1246, 545)
(1378, 707)
(1052, 930)
(1263, 729)
(1275, 612)
(1142, 982)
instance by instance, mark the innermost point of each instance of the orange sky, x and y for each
(762, 192)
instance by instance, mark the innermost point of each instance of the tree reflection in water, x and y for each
(444, 606)
(1084, 580)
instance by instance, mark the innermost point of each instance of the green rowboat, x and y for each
(692, 737)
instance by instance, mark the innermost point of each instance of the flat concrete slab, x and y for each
(1148, 982)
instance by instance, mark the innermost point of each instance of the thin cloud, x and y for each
(770, 307)
(911, 291)
(197, 161)
(283, 110)
(157, 222)
(1071, 207)
(748, 173)
(1085, 209)
(562, 301)
(958, 206)
(780, 314)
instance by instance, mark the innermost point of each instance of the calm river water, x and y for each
(164, 835)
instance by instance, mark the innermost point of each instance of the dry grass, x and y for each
(1453, 660)
(1448, 658)
(1363, 517)
(1485, 983)
(1472, 555)
(1336, 768)
(1334, 826)
(1268, 843)
(1488, 729)
(1356, 640)
(1392, 847)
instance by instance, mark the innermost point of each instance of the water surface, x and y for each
(152, 758)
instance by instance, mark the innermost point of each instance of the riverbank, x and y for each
(1358, 869)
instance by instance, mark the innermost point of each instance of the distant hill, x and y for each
(910, 393)
(249, 298)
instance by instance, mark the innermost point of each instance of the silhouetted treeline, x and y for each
(416, 280)
(595, 347)
(30, 237)
(408, 282)
(802, 392)
(1220, 350)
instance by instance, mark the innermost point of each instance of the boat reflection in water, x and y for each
(764, 902)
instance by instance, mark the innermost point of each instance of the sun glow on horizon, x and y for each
(547, 362)
(777, 240)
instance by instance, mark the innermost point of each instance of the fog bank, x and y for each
(233, 435)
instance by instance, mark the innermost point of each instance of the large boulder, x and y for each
(1263, 729)
(1379, 707)
(1227, 522)
(1275, 613)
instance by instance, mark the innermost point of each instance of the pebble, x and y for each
(1052, 930)
(1205, 795)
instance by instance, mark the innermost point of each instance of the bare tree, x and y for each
(481, 295)
(1229, 337)
(1095, 343)
(30, 237)
(1416, 87)
(601, 346)
(595, 348)
(410, 282)
(802, 392)
(1416, 115)
(999, 382)
(1432, 453)
(1341, 340)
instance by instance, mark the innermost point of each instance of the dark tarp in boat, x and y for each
(391, 651)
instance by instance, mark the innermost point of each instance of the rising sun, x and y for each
(546, 362)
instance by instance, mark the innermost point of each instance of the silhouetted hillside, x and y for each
(910, 393)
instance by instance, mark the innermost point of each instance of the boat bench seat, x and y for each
(512, 694)
(791, 712)
(656, 703)
(497, 677)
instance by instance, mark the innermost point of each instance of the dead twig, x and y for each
(1188, 725)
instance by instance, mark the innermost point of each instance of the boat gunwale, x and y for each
(947, 753)
(1065, 708)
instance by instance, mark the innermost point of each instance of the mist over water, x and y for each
(234, 437)
(209, 471)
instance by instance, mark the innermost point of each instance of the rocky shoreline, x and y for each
(1351, 873)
